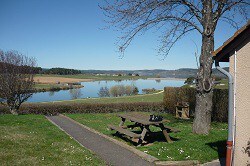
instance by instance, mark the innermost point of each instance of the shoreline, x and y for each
(168, 78)
(56, 89)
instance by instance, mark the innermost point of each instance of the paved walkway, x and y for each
(112, 153)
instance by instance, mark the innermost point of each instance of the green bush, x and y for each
(173, 95)
(55, 108)
(220, 105)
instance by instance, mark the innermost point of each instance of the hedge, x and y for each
(55, 108)
(172, 95)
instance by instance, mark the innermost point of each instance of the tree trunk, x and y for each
(204, 93)
(204, 86)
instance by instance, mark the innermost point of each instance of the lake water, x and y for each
(91, 89)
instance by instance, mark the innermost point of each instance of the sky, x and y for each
(72, 34)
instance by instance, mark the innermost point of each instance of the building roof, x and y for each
(222, 53)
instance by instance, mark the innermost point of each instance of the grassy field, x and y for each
(33, 140)
(156, 97)
(187, 145)
(45, 86)
(54, 87)
(223, 85)
(94, 77)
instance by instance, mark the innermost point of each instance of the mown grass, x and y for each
(94, 77)
(187, 146)
(33, 140)
(156, 97)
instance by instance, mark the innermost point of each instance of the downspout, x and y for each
(230, 113)
(235, 81)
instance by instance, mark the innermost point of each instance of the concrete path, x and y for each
(109, 151)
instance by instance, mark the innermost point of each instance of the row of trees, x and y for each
(57, 70)
(118, 90)
(61, 71)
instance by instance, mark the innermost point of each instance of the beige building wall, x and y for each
(242, 132)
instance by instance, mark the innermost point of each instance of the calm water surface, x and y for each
(91, 89)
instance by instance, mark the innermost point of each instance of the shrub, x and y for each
(55, 108)
(135, 91)
(75, 93)
(128, 90)
(220, 105)
(174, 95)
(189, 80)
(220, 101)
(147, 91)
(121, 90)
(114, 91)
(103, 92)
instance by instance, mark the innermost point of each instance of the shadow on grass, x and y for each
(220, 147)
(149, 138)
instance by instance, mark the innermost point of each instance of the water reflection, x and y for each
(104, 92)
(51, 93)
(75, 93)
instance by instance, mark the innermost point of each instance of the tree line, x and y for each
(57, 70)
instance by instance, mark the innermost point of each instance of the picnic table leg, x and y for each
(122, 122)
(164, 131)
(143, 134)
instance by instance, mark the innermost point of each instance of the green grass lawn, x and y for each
(33, 140)
(156, 97)
(188, 146)
(94, 77)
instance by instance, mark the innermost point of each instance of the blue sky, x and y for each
(70, 34)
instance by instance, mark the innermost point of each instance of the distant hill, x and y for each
(179, 73)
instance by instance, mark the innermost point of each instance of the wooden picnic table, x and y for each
(142, 121)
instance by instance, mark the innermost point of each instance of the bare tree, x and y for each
(16, 79)
(176, 18)
(75, 93)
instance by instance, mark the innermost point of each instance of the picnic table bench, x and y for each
(142, 121)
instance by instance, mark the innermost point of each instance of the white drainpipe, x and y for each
(234, 125)
(230, 114)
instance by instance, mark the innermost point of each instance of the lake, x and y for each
(91, 89)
